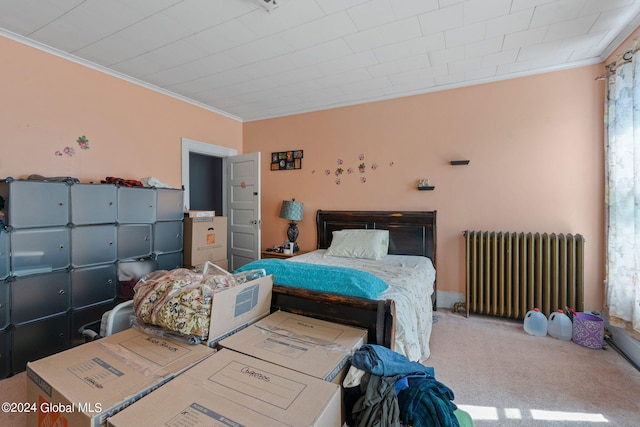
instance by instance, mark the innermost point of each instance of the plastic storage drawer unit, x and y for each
(93, 244)
(169, 204)
(94, 204)
(167, 236)
(136, 205)
(93, 285)
(4, 254)
(40, 250)
(4, 304)
(38, 296)
(39, 339)
(134, 240)
(35, 203)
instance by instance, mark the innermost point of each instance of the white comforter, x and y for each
(410, 280)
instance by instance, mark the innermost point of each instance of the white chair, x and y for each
(115, 320)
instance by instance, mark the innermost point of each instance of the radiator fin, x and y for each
(508, 274)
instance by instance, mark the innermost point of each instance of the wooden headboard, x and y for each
(410, 232)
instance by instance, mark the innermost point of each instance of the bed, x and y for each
(394, 320)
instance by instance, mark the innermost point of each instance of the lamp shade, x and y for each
(292, 210)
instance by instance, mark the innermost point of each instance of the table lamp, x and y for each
(293, 211)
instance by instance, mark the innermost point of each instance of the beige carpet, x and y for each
(505, 377)
(13, 390)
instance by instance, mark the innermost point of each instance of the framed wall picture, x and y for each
(286, 160)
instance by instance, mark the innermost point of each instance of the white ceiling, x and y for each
(238, 58)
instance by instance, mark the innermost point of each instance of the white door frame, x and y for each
(192, 146)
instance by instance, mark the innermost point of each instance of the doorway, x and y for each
(217, 178)
(203, 176)
(205, 180)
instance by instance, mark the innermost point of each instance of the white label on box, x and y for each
(266, 386)
(246, 300)
(162, 353)
(199, 415)
(95, 372)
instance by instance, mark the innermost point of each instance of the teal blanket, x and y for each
(323, 278)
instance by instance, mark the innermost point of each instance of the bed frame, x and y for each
(410, 233)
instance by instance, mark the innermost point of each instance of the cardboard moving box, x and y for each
(311, 346)
(205, 238)
(84, 385)
(236, 308)
(232, 389)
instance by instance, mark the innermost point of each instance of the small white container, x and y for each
(560, 326)
(535, 323)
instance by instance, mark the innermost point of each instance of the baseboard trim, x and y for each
(620, 339)
(447, 299)
(624, 343)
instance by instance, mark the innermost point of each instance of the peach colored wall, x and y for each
(48, 102)
(535, 146)
(536, 151)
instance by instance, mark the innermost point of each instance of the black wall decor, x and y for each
(286, 160)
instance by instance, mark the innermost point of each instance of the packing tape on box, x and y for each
(316, 342)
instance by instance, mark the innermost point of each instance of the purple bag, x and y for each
(588, 330)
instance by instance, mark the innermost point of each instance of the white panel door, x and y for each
(243, 178)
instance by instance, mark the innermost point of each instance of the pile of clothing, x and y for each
(383, 388)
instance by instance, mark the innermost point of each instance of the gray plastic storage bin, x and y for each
(5, 300)
(169, 260)
(38, 296)
(136, 205)
(93, 285)
(167, 236)
(169, 204)
(93, 244)
(4, 254)
(35, 203)
(134, 240)
(39, 250)
(39, 339)
(94, 204)
(5, 354)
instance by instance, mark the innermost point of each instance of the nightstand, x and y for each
(266, 254)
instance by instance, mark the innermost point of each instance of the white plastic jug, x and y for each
(535, 323)
(560, 326)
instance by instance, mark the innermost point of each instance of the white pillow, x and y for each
(369, 244)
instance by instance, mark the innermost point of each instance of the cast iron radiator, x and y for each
(508, 274)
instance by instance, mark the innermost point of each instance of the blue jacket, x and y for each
(379, 360)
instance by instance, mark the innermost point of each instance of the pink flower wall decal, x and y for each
(83, 142)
